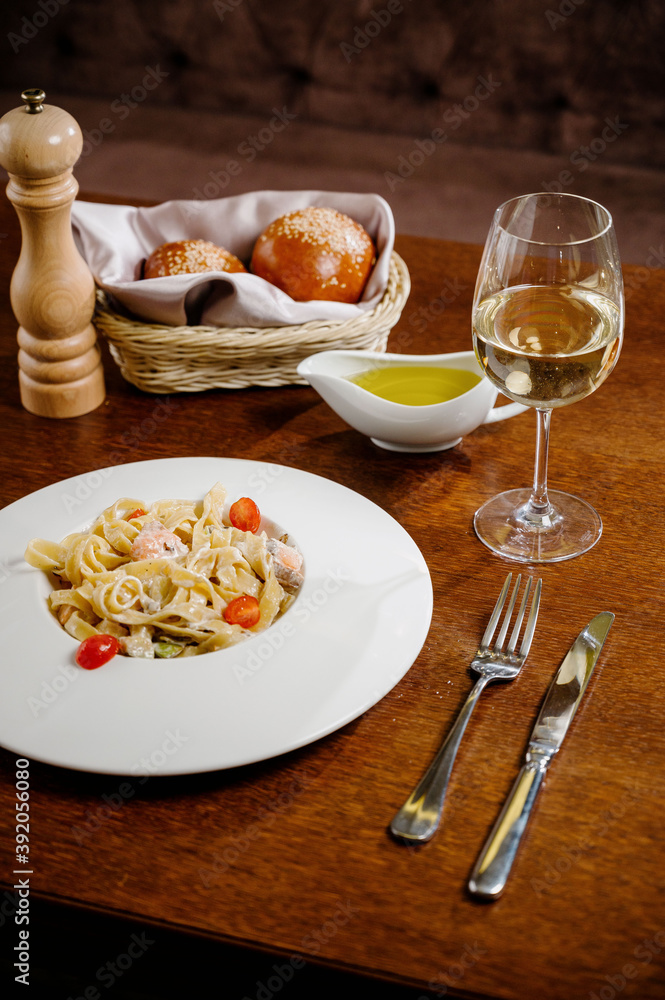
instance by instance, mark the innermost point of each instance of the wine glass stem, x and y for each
(539, 506)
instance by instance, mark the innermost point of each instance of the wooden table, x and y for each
(281, 875)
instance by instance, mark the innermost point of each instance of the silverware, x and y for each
(565, 693)
(420, 815)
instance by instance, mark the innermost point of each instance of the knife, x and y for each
(491, 871)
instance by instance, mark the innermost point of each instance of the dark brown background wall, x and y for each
(395, 66)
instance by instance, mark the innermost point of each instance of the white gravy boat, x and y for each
(397, 426)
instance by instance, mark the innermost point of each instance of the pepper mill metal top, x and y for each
(34, 99)
(52, 289)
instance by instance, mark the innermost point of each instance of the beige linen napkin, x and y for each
(116, 239)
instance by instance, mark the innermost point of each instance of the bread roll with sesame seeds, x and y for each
(315, 253)
(189, 257)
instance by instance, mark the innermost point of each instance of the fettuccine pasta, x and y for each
(160, 576)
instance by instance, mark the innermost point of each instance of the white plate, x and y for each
(356, 627)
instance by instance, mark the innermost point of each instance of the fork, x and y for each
(419, 817)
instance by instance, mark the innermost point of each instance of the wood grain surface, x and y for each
(292, 857)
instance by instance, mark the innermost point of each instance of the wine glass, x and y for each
(547, 331)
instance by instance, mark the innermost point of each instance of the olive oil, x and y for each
(416, 385)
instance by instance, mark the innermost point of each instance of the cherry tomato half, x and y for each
(136, 513)
(242, 611)
(244, 514)
(96, 650)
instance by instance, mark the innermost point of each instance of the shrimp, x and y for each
(154, 541)
(287, 563)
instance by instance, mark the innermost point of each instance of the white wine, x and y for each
(547, 345)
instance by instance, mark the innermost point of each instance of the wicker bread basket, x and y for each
(158, 358)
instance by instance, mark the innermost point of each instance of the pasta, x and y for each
(159, 577)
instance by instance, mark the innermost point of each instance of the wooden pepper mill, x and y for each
(52, 289)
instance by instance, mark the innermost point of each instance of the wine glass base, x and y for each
(504, 526)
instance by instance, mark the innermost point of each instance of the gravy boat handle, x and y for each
(503, 412)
